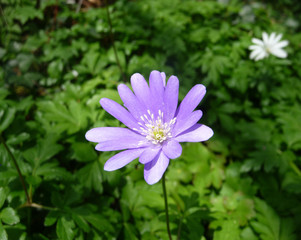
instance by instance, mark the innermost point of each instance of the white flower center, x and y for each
(155, 130)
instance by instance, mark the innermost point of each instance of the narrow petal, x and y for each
(141, 90)
(130, 101)
(278, 52)
(256, 52)
(157, 90)
(191, 101)
(163, 75)
(257, 41)
(119, 112)
(265, 37)
(183, 124)
(281, 44)
(121, 144)
(261, 55)
(171, 94)
(172, 149)
(278, 37)
(197, 133)
(254, 47)
(121, 159)
(154, 170)
(149, 154)
(103, 134)
(272, 38)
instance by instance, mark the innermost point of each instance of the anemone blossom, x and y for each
(268, 45)
(155, 125)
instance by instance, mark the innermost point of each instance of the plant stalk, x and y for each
(180, 228)
(18, 169)
(166, 206)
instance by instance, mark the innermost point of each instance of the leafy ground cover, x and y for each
(58, 58)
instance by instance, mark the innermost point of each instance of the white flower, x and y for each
(268, 45)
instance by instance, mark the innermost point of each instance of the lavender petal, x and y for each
(123, 158)
(130, 101)
(149, 154)
(119, 112)
(191, 100)
(103, 134)
(170, 98)
(183, 124)
(141, 90)
(154, 170)
(172, 149)
(197, 133)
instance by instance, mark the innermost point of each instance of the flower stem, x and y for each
(38, 206)
(166, 206)
(180, 228)
(17, 167)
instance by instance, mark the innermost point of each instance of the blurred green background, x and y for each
(58, 58)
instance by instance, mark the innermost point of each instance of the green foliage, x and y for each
(58, 60)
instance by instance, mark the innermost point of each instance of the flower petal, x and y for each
(149, 154)
(172, 149)
(157, 89)
(281, 44)
(278, 52)
(197, 133)
(141, 90)
(171, 94)
(103, 134)
(265, 37)
(278, 37)
(130, 101)
(119, 112)
(191, 100)
(257, 41)
(123, 158)
(254, 47)
(261, 55)
(272, 38)
(185, 123)
(255, 53)
(154, 170)
(163, 75)
(120, 144)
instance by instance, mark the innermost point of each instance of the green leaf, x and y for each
(79, 215)
(6, 118)
(45, 150)
(51, 171)
(65, 228)
(27, 12)
(91, 176)
(13, 140)
(55, 68)
(70, 119)
(83, 152)
(100, 222)
(9, 216)
(248, 234)
(2, 196)
(292, 182)
(3, 234)
(268, 157)
(230, 231)
(51, 218)
(269, 225)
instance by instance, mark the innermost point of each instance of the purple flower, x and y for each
(155, 125)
